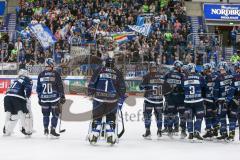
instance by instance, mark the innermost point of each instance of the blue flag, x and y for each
(140, 21)
(43, 34)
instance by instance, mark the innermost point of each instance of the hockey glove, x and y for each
(121, 101)
(62, 100)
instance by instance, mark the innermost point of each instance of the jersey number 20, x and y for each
(47, 88)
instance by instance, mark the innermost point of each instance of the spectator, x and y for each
(89, 21)
(18, 45)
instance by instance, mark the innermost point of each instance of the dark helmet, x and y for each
(109, 62)
(153, 67)
(237, 65)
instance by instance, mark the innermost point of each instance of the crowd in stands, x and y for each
(87, 23)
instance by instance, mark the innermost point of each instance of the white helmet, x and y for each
(23, 72)
(49, 62)
(191, 67)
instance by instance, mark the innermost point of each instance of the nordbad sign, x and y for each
(223, 12)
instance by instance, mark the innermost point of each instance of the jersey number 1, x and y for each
(106, 86)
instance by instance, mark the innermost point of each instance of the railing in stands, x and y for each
(207, 47)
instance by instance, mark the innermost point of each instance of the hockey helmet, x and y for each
(23, 72)
(207, 66)
(223, 66)
(109, 62)
(49, 62)
(177, 64)
(153, 66)
(191, 67)
(237, 65)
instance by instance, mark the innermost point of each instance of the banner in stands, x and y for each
(4, 83)
(223, 12)
(133, 86)
(78, 86)
(35, 69)
(79, 51)
(8, 66)
(72, 84)
(2, 7)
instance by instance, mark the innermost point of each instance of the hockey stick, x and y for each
(123, 128)
(239, 126)
(60, 122)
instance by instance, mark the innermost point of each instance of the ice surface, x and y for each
(73, 145)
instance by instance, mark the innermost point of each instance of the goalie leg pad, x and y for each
(29, 124)
(11, 121)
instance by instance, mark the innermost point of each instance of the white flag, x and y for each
(144, 29)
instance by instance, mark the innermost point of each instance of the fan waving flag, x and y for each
(43, 34)
(144, 29)
(120, 38)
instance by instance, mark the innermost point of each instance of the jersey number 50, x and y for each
(47, 88)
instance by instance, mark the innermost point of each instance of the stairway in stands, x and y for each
(11, 25)
(195, 21)
(228, 51)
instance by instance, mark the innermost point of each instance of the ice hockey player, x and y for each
(50, 94)
(233, 99)
(152, 84)
(210, 107)
(222, 85)
(106, 87)
(193, 85)
(15, 104)
(175, 101)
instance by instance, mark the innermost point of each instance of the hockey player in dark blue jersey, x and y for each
(175, 101)
(233, 99)
(106, 87)
(153, 84)
(221, 86)
(51, 94)
(15, 104)
(193, 86)
(209, 104)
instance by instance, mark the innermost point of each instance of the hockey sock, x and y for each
(159, 120)
(147, 120)
(197, 125)
(176, 121)
(232, 124)
(208, 121)
(54, 121)
(223, 128)
(190, 125)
